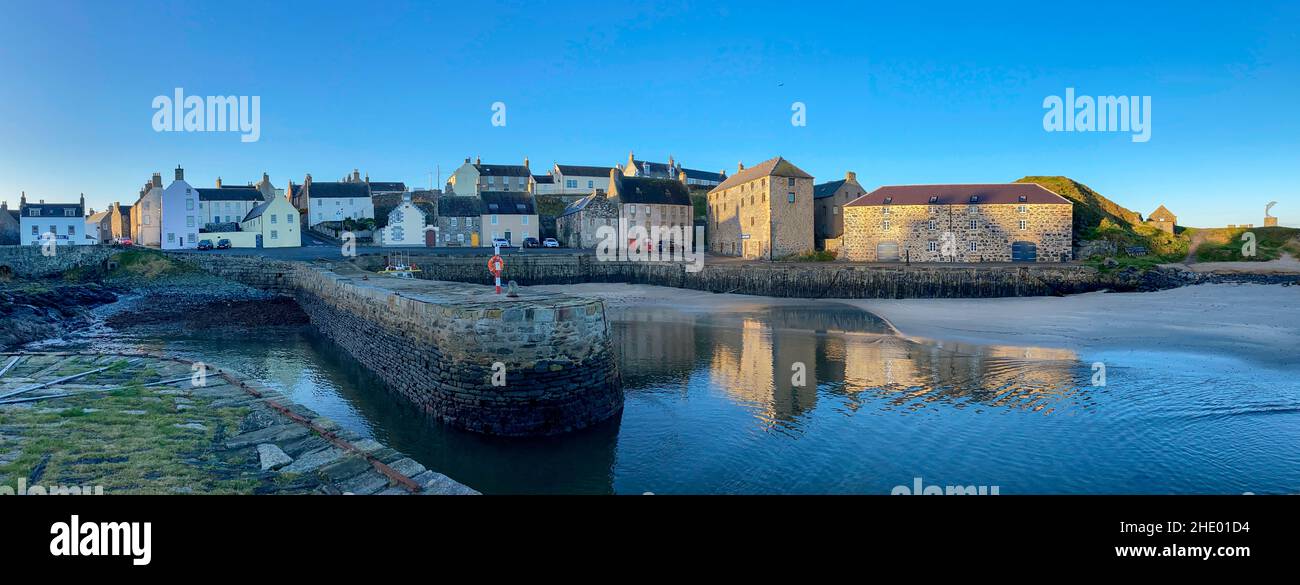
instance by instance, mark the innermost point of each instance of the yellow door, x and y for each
(473, 239)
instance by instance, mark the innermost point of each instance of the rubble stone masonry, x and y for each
(921, 231)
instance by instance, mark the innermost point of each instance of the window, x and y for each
(932, 224)
(1024, 224)
(72, 230)
(885, 225)
(884, 211)
(70, 212)
(494, 221)
(36, 231)
(171, 237)
(525, 222)
(34, 212)
(932, 246)
(571, 183)
(974, 224)
(189, 221)
(789, 181)
(288, 218)
(274, 234)
(591, 184)
(1023, 209)
(189, 205)
(275, 219)
(460, 238)
(790, 196)
(453, 222)
(973, 246)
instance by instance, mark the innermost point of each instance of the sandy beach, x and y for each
(1256, 323)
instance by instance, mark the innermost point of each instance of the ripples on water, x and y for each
(713, 407)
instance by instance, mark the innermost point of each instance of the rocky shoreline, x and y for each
(30, 312)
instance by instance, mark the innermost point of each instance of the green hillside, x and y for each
(1098, 218)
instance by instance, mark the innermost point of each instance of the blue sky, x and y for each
(941, 92)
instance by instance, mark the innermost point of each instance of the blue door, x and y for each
(259, 240)
(1024, 252)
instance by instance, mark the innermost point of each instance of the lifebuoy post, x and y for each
(496, 266)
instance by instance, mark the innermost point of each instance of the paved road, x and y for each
(314, 248)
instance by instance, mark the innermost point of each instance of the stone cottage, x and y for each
(653, 210)
(1020, 222)
(576, 227)
(458, 220)
(1163, 219)
(829, 200)
(119, 221)
(765, 211)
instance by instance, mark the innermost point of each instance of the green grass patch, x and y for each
(1227, 245)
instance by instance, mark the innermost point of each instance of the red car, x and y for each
(122, 241)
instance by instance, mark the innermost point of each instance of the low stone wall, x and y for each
(29, 262)
(799, 280)
(439, 345)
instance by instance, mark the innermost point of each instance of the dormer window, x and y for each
(974, 198)
(934, 199)
(889, 200)
(1024, 198)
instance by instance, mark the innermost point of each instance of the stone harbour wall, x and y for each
(29, 262)
(439, 345)
(787, 279)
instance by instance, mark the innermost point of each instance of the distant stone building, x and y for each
(98, 229)
(9, 225)
(1163, 219)
(577, 226)
(120, 221)
(829, 200)
(323, 201)
(1021, 222)
(459, 220)
(765, 211)
(660, 207)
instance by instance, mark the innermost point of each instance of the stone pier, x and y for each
(539, 364)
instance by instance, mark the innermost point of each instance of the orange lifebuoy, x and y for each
(496, 265)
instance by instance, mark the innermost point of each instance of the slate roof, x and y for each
(503, 170)
(459, 206)
(704, 175)
(13, 212)
(387, 186)
(232, 193)
(326, 189)
(585, 171)
(578, 205)
(543, 179)
(652, 191)
(773, 166)
(984, 194)
(507, 203)
(827, 189)
(257, 211)
(97, 216)
(53, 210)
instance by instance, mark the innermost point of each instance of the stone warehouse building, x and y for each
(829, 200)
(1021, 222)
(765, 211)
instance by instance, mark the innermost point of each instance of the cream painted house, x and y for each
(274, 224)
(407, 224)
(508, 215)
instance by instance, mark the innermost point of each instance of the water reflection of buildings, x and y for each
(752, 358)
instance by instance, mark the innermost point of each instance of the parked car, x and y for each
(122, 241)
(532, 243)
(550, 243)
(501, 242)
(205, 244)
(223, 244)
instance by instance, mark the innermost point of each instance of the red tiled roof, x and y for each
(992, 194)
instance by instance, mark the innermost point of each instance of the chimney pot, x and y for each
(180, 173)
(851, 176)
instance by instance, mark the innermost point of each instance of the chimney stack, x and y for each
(180, 173)
(157, 180)
(23, 200)
(467, 160)
(525, 162)
(82, 201)
(670, 162)
(681, 176)
(851, 176)
(356, 176)
(478, 160)
(218, 182)
(740, 166)
(307, 181)
(265, 177)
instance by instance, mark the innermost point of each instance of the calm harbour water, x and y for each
(713, 406)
